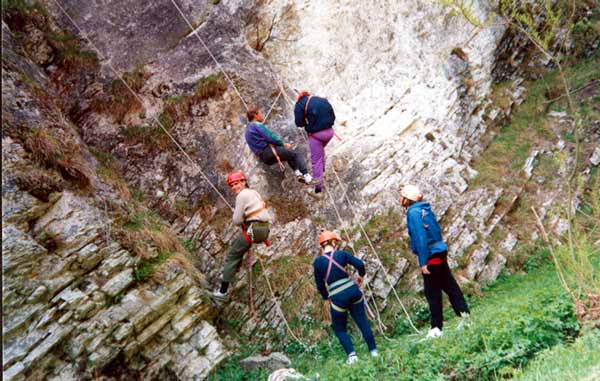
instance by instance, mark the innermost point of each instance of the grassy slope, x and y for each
(580, 361)
(518, 317)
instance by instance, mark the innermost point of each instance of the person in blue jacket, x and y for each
(343, 293)
(427, 244)
(316, 115)
(269, 147)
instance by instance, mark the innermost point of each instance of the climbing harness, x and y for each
(342, 284)
(204, 176)
(386, 274)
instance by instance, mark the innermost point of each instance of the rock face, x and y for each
(272, 362)
(410, 83)
(74, 304)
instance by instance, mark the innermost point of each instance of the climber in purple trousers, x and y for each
(316, 115)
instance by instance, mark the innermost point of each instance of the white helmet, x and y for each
(411, 192)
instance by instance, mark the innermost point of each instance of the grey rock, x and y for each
(37, 294)
(509, 243)
(89, 256)
(18, 248)
(123, 331)
(595, 158)
(72, 221)
(492, 269)
(118, 283)
(477, 261)
(272, 362)
(14, 372)
(16, 349)
(58, 333)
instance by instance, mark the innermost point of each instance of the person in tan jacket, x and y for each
(252, 216)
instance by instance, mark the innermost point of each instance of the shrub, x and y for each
(145, 268)
(211, 86)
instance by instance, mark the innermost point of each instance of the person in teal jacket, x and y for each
(427, 244)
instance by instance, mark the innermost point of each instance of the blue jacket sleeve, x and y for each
(418, 236)
(320, 281)
(269, 135)
(299, 115)
(356, 263)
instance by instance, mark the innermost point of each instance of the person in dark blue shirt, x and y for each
(343, 293)
(316, 115)
(427, 244)
(270, 148)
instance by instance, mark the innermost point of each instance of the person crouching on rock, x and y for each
(252, 216)
(344, 295)
(270, 148)
(427, 244)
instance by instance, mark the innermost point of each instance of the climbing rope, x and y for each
(277, 306)
(195, 32)
(380, 324)
(85, 36)
(386, 273)
(99, 52)
(352, 208)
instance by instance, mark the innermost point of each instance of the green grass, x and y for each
(147, 218)
(517, 317)
(145, 268)
(506, 155)
(578, 361)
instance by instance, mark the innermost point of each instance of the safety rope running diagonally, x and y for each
(380, 324)
(386, 273)
(352, 207)
(85, 36)
(195, 32)
(175, 142)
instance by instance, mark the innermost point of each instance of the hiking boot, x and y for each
(374, 353)
(352, 358)
(312, 192)
(434, 333)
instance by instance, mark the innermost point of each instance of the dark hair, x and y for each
(252, 113)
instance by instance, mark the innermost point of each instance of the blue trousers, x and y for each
(351, 300)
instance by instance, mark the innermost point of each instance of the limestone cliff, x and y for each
(111, 234)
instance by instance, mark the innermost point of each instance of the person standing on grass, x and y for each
(427, 244)
(343, 294)
(252, 216)
(316, 115)
(269, 147)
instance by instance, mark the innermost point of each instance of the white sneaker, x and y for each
(352, 358)
(298, 175)
(308, 178)
(219, 296)
(434, 333)
(374, 353)
(465, 321)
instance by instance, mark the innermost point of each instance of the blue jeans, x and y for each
(351, 299)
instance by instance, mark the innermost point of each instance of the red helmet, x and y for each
(235, 176)
(326, 236)
(302, 93)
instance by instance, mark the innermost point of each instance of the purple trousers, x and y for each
(317, 143)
